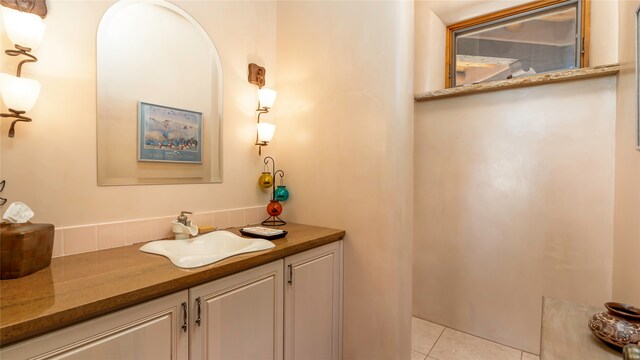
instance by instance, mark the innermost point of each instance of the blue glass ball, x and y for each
(282, 193)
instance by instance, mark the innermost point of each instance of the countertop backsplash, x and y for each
(85, 238)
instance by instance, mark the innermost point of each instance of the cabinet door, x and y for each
(313, 293)
(239, 316)
(152, 330)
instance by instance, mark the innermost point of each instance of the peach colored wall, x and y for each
(51, 163)
(429, 48)
(514, 197)
(454, 11)
(604, 32)
(626, 276)
(345, 142)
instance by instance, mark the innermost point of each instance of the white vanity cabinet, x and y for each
(153, 330)
(286, 309)
(264, 314)
(239, 316)
(313, 304)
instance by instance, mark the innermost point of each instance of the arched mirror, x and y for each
(159, 103)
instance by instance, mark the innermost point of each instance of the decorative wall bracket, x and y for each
(17, 115)
(257, 74)
(266, 98)
(38, 7)
(258, 142)
(21, 50)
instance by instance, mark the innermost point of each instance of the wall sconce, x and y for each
(266, 98)
(23, 22)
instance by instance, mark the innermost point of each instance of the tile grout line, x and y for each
(434, 344)
(522, 352)
(425, 355)
(483, 338)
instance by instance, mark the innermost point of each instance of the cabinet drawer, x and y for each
(152, 330)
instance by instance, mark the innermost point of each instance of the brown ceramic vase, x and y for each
(619, 326)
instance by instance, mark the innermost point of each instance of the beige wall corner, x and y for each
(626, 276)
(429, 48)
(604, 32)
(345, 82)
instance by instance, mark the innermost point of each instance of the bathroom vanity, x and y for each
(127, 304)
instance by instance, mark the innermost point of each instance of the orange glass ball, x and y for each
(274, 208)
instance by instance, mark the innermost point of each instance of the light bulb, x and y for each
(265, 132)
(267, 97)
(19, 93)
(24, 29)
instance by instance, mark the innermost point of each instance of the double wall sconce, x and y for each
(266, 98)
(23, 22)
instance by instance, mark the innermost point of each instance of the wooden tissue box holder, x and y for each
(24, 248)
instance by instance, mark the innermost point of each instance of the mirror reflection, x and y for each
(159, 97)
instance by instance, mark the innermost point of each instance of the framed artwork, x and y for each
(167, 134)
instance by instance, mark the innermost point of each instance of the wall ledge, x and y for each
(540, 79)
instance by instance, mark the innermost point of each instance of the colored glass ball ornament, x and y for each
(282, 194)
(266, 180)
(274, 208)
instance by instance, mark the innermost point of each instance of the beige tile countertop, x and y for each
(79, 287)
(566, 334)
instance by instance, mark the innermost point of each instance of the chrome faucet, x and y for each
(182, 218)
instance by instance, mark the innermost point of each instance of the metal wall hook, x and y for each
(275, 171)
(273, 162)
(281, 177)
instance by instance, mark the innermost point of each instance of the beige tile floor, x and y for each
(431, 341)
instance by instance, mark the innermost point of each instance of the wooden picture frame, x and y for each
(168, 134)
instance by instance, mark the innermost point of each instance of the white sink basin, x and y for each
(205, 249)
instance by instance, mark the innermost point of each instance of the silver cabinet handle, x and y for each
(184, 316)
(198, 311)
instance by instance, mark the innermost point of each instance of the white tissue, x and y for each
(18, 213)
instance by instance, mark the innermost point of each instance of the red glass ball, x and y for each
(274, 208)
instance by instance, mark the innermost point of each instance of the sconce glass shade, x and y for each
(267, 97)
(19, 93)
(265, 132)
(23, 28)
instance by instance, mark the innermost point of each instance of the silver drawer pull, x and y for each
(198, 311)
(184, 316)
